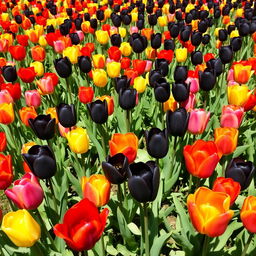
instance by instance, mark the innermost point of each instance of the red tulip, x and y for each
(6, 173)
(139, 66)
(125, 63)
(82, 225)
(85, 94)
(22, 40)
(18, 52)
(248, 214)
(3, 141)
(13, 89)
(27, 75)
(114, 53)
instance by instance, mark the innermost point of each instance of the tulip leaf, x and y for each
(158, 244)
(240, 150)
(134, 229)
(124, 251)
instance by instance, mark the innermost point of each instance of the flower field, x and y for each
(127, 127)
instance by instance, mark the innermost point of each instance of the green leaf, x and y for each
(158, 244)
(134, 229)
(240, 150)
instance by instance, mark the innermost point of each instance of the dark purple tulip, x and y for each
(66, 115)
(98, 111)
(162, 90)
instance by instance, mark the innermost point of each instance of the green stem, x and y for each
(69, 92)
(84, 253)
(247, 244)
(38, 250)
(128, 120)
(102, 245)
(205, 246)
(53, 196)
(190, 183)
(145, 209)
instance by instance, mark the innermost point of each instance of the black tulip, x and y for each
(93, 23)
(207, 79)
(143, 181)
(50, 29)
(177, 122)
(78, 23)
(215, 64)
(156, 40)
(85, 64)
(188, 18)
(87, 16)
(74, 38)
(240, 171)
(116, 19)
(63, 67)
(64, 28)
(122, 83)
(236, 43)
(66, 115)
(174, 30)
(244, 29)
(180, 73)
(152, 19)
(169, 44)
(196, 38)
(138, 43)
(196, 58)
(18, 19)
(43, 126)
(157, 142)
(202, 26)
(184, 35)
(154, 75)
(140, 24)
(127, 98)
(180, 91)
(115, 168)
(223, 35)
(126, 19)
(206, 39)
(9, 73)
(116, 40)
(231, 28)
(226, 54)
(98, 111)
(41, 161)
(100, 15)
(162, 90)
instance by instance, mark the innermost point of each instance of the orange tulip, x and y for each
(38, 53)
(6, 113)
(242, 73)
(209, 211)
(248, 214)
(124, 143)
(225, 140)
(26, 113)
(96, 188)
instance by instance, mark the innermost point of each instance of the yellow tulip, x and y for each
(42, 41)
(21, 228)
(189, 8)
(234, 33)
(39, 67)
(8, 37)
(162, 21)
(134, 17)
(113, 69)
(122, 31)
(98, 60)
(72, 53)
(107, 13)
(238, 94)
(39, 29)
(102, 36)
(239, 12)
(125, 48)
(78, 140)
(170, 104)
(181, 54)
(140, 84)
(5, 16)
(100, 78)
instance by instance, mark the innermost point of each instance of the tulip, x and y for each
(26, 192)
(209, 211)
(98, 111)
(156, 40)
(143, 181)
(236, 41)
(27, 113)
(38, 53)
(43, 126)
(126, 144)
(157, 142)
(96, 188)
(180, 91)
(162, 65)
(114, 53)
(100, 78)
(21, 228)
(177, 122)
(98, 61)
(66, 115)
(85, 64)
(122, 82)
(207, 79)
(33, 98)
(110, 103)
(71, 53)
(79, 222)
(85, 94)
(162, 90)
(248, 214)
(9, 73)
(198, 121)
(6, 172)
(226, 140)
(116, 42)
(216, 65)
(113, 69)
(181, 54)
(138, 43)
(102, 36)
(46, 85)
(139, 66)
(78, 140)
(18, 52)
(3, 141)
(226, 54)
(180, 74)
(170, 104)
(41, 161)
(154, 75)
(115, 168)
(242, 73)
(240, 171)
(13, 89)
(201, 158)
(189, 103)
(237, 95)
(63, 67)
(127, 98)
(140, 84)
(5, 97)
(27, 75)
(6, 113)
(231, 116)
(38, 68)
(59, 46)
(196, 58)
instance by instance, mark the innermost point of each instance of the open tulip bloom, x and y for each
(127, 127)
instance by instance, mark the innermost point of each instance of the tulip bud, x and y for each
(162, 90)
(198, 121)
(180, 74)
(98, 111)
(196, 58)
(156, 40)
(66, 115)
(63, 67)
(226, 54)
(85, 64)
(127, 98)
(33, 98)
(207, 79)
(180, 91)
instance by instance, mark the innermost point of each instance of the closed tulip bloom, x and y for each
(3, 141)
(238, 94)
(126, 144)
(38, 53)
(26, 192)
(180, 91)
(110, 103)
(82, 225)
(85, 94)
(27, 75)
(59, 46)
(46, 85)
(113, 69)
(33, 98)
(231, 116)
(41, 161)
(78, 140)
(38, 68)
(43, 126)
(240, 171)
(98, 61)
(207, 79)
(63, 67)
(170, 104)
(85, 64)
(162, 90)
(98, 111)
(13, 89)
(209, 211)
(140, 84)
(248, 214)
(181, 54)
(96, 188)
(6, 113)
(9, 73)
(242, 73)
(229, 186)
(143, 181)
(126, 49)
(27, 113)
(21, 228)
(122, 83)
(71, 53)
(198, 121)
(157, 142)
(226, 54)
(102, 36)
(177, 122)
(18, 52)
(226, 140)
(180, 73)
(100, 78)
(6, 172)
(66, 115)
(115, 168)
(201, 158)
(5, 97)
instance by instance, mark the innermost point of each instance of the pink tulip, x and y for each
(231, 116)
(46, 85)
(5, 97)
(133, 29)
(198, 121)
(26, 192)
(80, 34)
(190, 102)
(230, 76)
(148, 65)
(194, 84)
(33, 98)
(59, 46)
